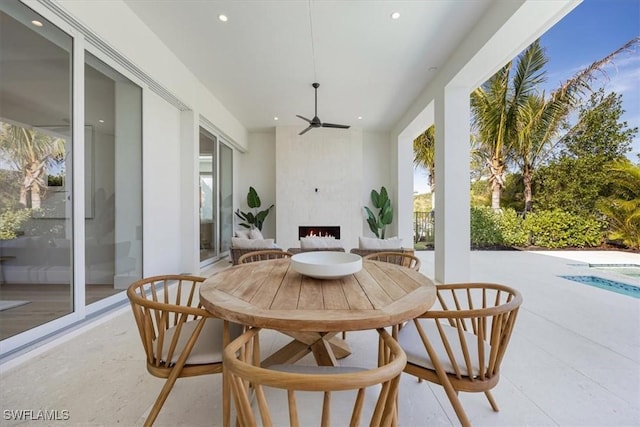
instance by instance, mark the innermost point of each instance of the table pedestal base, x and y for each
(326, 349)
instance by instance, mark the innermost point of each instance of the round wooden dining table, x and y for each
(271, 294)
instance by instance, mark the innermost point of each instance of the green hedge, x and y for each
(548, 229)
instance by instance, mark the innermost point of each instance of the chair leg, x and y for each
(457, 406)
(492, 401)
(162, 397)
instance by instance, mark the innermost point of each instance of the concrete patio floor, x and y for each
(574, 359)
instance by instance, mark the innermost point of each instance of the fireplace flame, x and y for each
(313, 233)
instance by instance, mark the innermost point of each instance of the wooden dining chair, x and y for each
(263, 255)
(369, 393)
(179, 337)
(401, 258)
(461, 342)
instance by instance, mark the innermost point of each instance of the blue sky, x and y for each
(594, 29)
(591, 31)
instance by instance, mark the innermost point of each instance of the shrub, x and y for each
(11, 220)
(485, 227)
(513, 233)
(548, 229)
(560, 229)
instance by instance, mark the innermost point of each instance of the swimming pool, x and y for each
(631, 270)
(609, 285)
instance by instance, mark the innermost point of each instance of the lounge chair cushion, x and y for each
(238, 242)
(375, 243)
(254, 233)
(319, 242)
(244, 234)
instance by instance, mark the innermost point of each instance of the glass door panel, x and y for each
(36, 182)
(226, 198)
(208, 204)
(113, 180)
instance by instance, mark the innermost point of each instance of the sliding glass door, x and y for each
(112, 180)
(208, 202)
(226, 198)
(36, 179)
(216, 197)
(70, 193)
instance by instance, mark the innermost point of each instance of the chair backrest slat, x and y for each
(486, 311)
(381, 381)
(404, 259)
(263, 255)
(474, 322)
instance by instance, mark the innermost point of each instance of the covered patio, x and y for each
(574, 359)
(196, 75)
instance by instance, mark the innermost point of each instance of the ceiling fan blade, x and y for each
(331, 125)
(306, 130)
(303, 118)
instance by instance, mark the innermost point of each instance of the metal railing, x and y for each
(423, 230)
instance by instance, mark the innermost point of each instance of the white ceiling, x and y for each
(259, 63)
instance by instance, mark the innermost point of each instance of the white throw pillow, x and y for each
(243, 233)
(374, 243)
(240, 243)
(319, 242)
(254, 233)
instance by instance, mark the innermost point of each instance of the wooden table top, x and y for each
(270, 294)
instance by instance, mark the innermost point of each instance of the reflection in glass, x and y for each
(208, 206)
(226, 197)
(36, 281)
(113, 180)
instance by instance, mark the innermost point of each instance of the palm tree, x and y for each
(539, 120)
(496, 107)
(424, 154)
(31, 152)
(623, 210)
(514, 122)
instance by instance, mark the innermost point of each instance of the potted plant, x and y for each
(256, 218)
(378, 223)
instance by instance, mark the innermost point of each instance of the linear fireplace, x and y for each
(319, 231)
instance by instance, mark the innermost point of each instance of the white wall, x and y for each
(256, 168)
(377, 157)
(329, 161)
(161, 187)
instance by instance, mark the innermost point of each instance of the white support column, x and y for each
(452, 253)
(404, 190)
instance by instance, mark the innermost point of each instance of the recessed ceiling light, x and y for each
(395, 15)
(37, 23)
(275, 118)
(101, 121)
(359, 117)
(223, 17)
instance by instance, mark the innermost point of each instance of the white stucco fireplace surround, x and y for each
(319, 182)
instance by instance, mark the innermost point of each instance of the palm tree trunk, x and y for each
(527, 176)
(36, 199)
(496, 172)
(23, 196)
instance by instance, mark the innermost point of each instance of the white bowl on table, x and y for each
(326, 264)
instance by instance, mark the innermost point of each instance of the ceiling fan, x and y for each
(315, 122)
